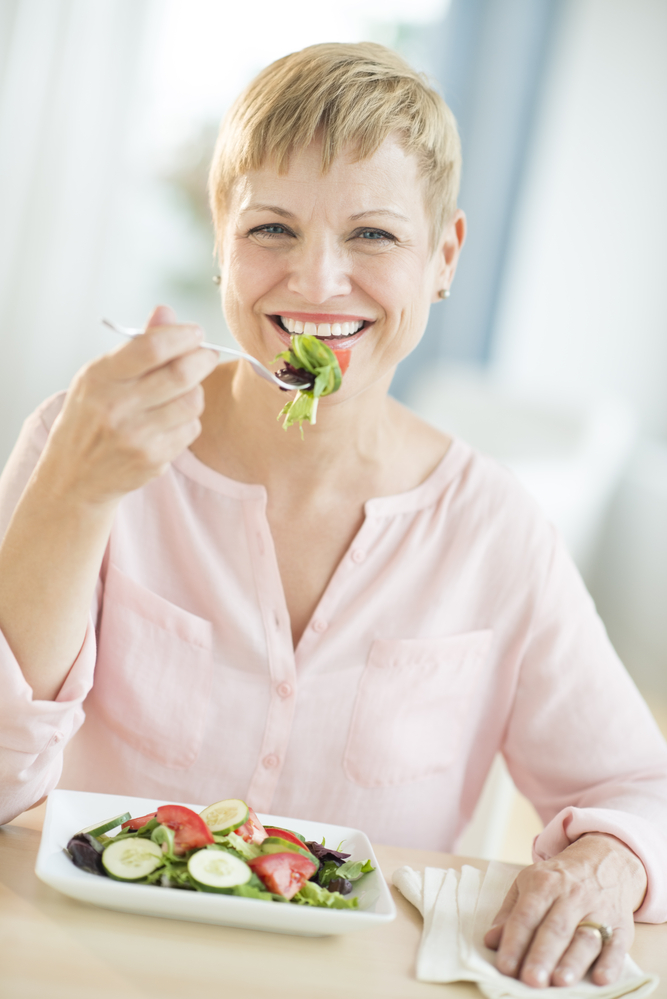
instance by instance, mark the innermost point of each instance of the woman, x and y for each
(346, 627)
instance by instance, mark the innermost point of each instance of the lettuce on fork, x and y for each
(307, 353)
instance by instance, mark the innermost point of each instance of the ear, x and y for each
(448, 251)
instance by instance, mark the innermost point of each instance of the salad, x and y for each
(307, 353)
(224, 849)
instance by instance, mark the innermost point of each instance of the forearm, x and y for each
(49, 564)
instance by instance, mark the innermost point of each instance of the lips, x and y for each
(335, 340)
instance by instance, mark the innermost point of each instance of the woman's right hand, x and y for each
(128, 414)
(125, 417)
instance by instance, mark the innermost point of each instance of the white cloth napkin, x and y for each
(458, 908)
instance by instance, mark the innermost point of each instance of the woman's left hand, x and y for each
(597, 878)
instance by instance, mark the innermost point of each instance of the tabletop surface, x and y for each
(56, 947)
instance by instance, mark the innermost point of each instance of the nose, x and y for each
(319, 272)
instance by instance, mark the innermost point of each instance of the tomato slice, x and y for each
(285, 834)
(191, 832)
(343, 357)
(141, 820)
(252, 831)
(283, 873)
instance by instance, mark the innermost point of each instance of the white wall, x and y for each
(69, 77)
(630, 581)
(584, 310)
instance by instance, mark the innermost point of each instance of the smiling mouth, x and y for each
(333, 334)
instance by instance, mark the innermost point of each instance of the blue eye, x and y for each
(271, 229)
(374, 235)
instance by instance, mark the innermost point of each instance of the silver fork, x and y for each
(287, 380)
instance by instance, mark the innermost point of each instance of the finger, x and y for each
(176, 378)
(177, 440)
(578, 957)
(174, 414)
(494, 935)
(557, 933)
(609, 965)
(151, 454)
(519, 930)
(162, 315)
(151, 350)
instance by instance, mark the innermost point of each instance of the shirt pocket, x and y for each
(412, 704)
(153, 673)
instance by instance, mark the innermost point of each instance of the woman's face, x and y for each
(348, 251)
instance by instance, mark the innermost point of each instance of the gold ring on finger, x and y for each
(605, 931)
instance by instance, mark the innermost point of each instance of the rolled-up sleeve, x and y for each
(34, 733)
(581, 743)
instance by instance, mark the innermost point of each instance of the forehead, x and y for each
(388, 180)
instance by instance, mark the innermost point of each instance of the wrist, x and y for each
(71, 492)
(632, 864)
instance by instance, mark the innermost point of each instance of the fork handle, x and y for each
(132, 333)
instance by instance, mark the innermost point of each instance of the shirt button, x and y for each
(358, 556)
(58, 737)
(284, 689)
(270, 761)
(319, 625)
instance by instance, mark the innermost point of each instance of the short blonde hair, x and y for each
(352, 96)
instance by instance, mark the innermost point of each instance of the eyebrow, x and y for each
(284, 213)
(258, 207)
(380, 211)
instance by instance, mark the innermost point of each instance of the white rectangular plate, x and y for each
(69, 811)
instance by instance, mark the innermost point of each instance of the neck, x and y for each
(243, 438)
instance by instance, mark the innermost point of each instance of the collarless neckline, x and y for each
(424, 494)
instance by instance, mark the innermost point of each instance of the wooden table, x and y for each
(53, 947)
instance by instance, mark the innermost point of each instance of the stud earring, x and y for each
(216, 279)
(444, 293)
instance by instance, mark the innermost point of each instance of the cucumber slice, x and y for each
(216, 870)
(273, 844)
(101, 827)
(225, 816)
(132, 859)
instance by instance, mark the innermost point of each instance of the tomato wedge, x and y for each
(191, 832)
(285, 834)
(283, 873)
(343, 358)
(141, 820)
(252, 831)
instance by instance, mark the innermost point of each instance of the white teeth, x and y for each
(322, 329)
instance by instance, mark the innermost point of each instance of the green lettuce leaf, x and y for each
(164, 837)
(311, 355)
(353, 869)
(328, 870)
(312, 894)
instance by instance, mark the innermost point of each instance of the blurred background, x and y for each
(551, 353)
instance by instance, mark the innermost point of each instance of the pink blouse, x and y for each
(454, 626)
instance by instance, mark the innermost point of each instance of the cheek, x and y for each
(401, 286)
(249, 274)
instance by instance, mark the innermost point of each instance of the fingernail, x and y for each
(567, 977)
(539, 974)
